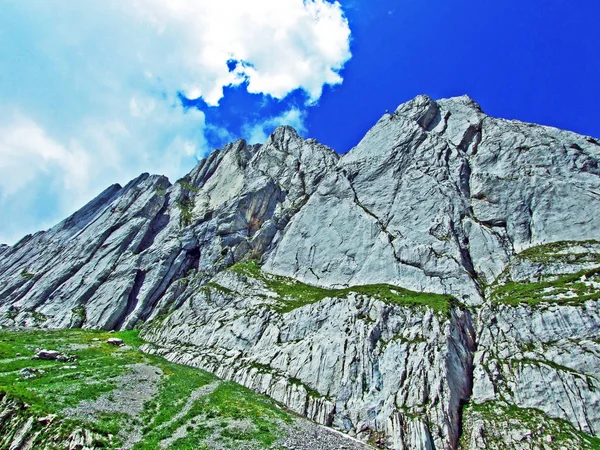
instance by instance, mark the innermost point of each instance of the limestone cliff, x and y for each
(407, 292)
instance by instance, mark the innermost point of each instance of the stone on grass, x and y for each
(48, 354)
(29, 373)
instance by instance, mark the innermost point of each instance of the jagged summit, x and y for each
(439, 194)
(437, 198)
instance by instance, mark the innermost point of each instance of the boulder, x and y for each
(48, 355)
(115, 341)
(29, 373)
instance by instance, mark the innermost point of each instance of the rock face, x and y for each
(110, 264)
(351, 358)
(437, 198)
(22, 431)
(538, 355)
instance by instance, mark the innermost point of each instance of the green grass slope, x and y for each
(294, 294)
(182, 407)
(577, 282)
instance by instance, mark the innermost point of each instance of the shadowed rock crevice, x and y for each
(132, 298)
(157, 224)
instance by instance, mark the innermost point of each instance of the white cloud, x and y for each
(35, 167)
(281, 45)
(141, 107)
(26, 150)
(94, 102)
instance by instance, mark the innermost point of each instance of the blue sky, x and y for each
(96, 92)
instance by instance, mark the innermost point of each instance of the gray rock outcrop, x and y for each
(437, 198)
(21, 430)
(353, 359)
(537, 362)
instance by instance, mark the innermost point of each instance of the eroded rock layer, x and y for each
(369, 360)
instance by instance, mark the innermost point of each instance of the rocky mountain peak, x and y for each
(283, 132)
(428, 185)
(353, 288)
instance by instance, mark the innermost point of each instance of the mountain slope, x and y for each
(438, 198)
(108, 396)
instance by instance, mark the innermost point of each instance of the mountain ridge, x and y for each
(437, 198)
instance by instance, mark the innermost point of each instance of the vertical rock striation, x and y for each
(369, 364)
(538, 352)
